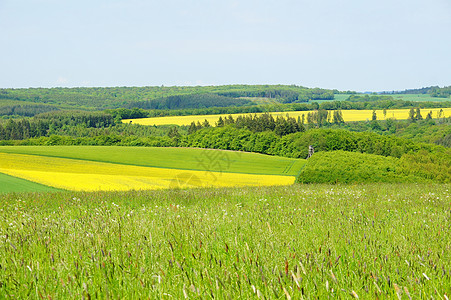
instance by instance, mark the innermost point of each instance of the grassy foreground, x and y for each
(300, 241)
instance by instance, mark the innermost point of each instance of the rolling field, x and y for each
(172, 158)
(294, 242)
(126, 168)
(9, 184)
(348, 116)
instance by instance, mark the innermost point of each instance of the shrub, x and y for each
(352, 167)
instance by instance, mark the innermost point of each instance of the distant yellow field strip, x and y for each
(348, 116)
(80, 175)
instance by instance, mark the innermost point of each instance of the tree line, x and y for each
(123, 113)
(116, 97)
(25, 110)
(86, 124)
(288, 94)
(296, 145)
(267, 142)
(189, 101)
(434, 91)
(279, 125)
(50, 123)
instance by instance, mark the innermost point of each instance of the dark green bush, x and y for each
(352, 167)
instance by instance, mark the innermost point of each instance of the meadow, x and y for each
(420, 98)
(383, 241)
(10, 184)
(84, 168)
(348, 116)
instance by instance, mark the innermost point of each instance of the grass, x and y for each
(348, 116)
(9, 184)
(122, 168)
(303, 241)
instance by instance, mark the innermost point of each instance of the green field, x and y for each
(340, 97)
(300, 242)
(172, 158)
(9, 184)
(420, 98)
(405, 97)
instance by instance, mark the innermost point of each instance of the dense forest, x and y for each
(138, 102)
(420, 127)
(24, 110)
(115, 97)
(434, 91)
(190, 101)
(372, 104)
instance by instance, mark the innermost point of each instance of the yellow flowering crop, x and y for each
(348, 116)
(82, 175)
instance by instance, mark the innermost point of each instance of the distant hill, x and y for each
(162, 97)
(161, 100)
(434, 91)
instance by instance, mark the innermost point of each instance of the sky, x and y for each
(354, 45)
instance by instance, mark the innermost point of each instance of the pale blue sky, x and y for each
(343, 44)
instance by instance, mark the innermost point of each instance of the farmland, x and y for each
(419, 98)
(115, 168)
(95, 205)
(9, 184)
(348, 116)
(302, 241)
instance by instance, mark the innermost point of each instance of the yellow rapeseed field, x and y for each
(81, 175)
(348, 116)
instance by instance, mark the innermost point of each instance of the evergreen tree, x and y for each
(418, 114)
(229, 120)
(374, 116)
(220, 122)
(192, 128)
(173, 132)
(411, 117)
(206, 124)
(337, 117)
